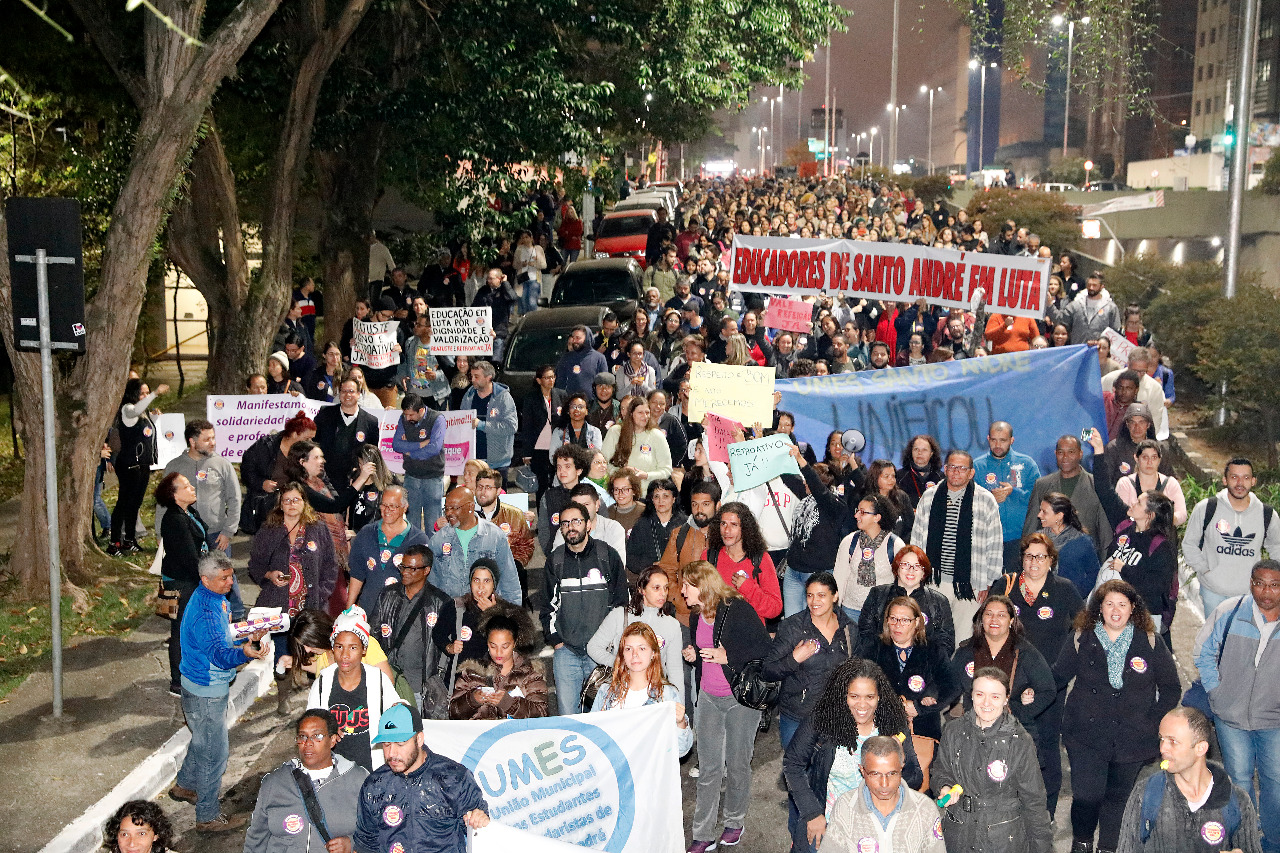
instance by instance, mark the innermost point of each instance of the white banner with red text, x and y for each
(893, 272)
(603, 781)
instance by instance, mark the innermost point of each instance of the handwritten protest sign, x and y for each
(791, 315)
(760, 460)
(744, 394)
(461, 331)
(375, 344)
(1120, 346)
(719, 436)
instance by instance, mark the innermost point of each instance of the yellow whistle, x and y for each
(949, 796)
(1164, 764)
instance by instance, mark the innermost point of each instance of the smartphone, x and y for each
(1086, 434)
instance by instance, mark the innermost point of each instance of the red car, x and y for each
(623, 234)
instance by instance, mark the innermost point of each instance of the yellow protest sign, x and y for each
(744, 394)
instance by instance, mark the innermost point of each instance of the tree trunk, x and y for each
(243, 313)
(180, 81)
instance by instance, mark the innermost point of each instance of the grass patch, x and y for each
(117, 605)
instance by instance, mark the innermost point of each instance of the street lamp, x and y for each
(773, 160)
(982, 106)
(762, 131)
(1088, 167)
(1058, 20)
(896, 109)
(871, 154)
(931, 92)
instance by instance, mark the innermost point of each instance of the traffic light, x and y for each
(1228, 144)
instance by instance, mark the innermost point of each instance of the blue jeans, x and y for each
(571, 669)
(529, 296)
(206, 759)
(1210, 600)
(426, 498)
(793, 591)
(1243, 752)
(100, 511)
(787, 728)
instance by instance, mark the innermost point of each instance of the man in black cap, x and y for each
(400, 294)
(418, 800)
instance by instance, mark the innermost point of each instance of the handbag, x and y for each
(599, 676)
(167, 602)
(748, 684)
(1196, 696)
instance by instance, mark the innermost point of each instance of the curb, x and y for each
(155, 772)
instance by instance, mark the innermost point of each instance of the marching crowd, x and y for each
(929, 632)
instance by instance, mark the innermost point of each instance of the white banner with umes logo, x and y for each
(606, 781)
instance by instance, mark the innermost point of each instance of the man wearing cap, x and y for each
(418, 800)
(378, 549)
(692, 321)
(281, 820)
(1121, 452)
(382, 380)
(605, 410)
(580, 363)
(419, 438)
(209, 664)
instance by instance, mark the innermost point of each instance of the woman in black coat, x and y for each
(919, 670)
(808, 646)
(1125, 682)
(649, 535)
(185, 540)
(1047, 604)
(822, 760)
(911, 571)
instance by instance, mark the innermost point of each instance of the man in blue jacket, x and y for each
(496, 420)
(419, 438)
(580, 363)
(465, 539)
(209, 664)
(418, 800)
(1009, 476)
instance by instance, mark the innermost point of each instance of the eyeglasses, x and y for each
(1035, 558)
(416, 567)
(1270, 586)
(901, 620)
(318, 737)
(861, 511)
(574, 522)
(618, 490)
(291, 501)
(958, 468)
(902, 566)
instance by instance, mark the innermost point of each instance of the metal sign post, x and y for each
(42, 260)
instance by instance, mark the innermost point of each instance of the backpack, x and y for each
(1211, 507)
(1153, 796)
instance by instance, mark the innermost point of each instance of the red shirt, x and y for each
(763, 593)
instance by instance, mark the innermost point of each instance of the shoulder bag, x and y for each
(748, 684)
(1196, 696)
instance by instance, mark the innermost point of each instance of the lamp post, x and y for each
(1066, 107)
(856, 144)
(763, 131)
(931, 92)
(895, 109)
(1088, 167)
(982, 107)
(893, 89)
(871, 154)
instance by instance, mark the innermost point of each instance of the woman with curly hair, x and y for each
(822, 761)
(505, 684)
(649, 536)
(736, 547)
(648, 606)
(636, 444)
(638, 680)
(138, 826)
(921, 467)
(987, 752)
(1125, 682)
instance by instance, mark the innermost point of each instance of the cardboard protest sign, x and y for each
(375, 344)
(1120, 346)
(720, 432)
(760, 460)
(790, 315)
(462, 331)
(744, 394)
(894, 272)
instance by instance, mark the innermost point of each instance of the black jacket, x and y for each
(437, 621)
(184, 541)
(500, 299)
(939, 626)
(1048, 621)
(648, 538)
(341, 443)
(431, 802)
(1124, 723)
(927, 674)
(817, 526)
(533, 417)
(743, 636)
(1177, 829)
(261, 462)
(806, 766)
(1002, 809)
(803, 683)
(1032, 671)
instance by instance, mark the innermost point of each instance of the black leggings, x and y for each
(1099, 790)
(133, 488)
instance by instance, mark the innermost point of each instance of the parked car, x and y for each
(644, 201)
(612, 282)
(623, 234)
(1059, 188)
(1104, 187)
(540, 337)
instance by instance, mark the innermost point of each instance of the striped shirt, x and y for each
(948, 561)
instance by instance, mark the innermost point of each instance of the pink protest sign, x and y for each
(793, 315)
(720, 432)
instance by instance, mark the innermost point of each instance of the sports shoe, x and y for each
(115, 549)
(182, 795)
(731, 837)
(222, 823)
(701, 847)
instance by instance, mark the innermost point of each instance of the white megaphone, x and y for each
(853, 441)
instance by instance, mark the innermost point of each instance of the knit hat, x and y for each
(603, 378)
(1139, 410)
(281, 357)
(353, 620)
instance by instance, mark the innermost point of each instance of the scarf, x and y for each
(1005, 661)
(297, 580)
(962, 577)
(1116, 652)
(867, 558)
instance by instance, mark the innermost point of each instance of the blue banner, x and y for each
(1044, 394)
